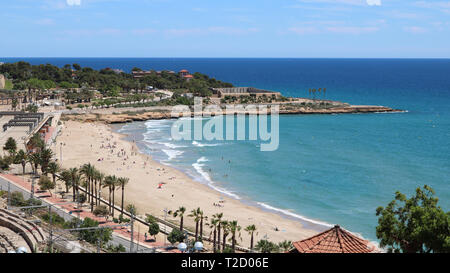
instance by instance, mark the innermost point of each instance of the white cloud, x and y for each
(73, 2)
(415, 29)
(373, 2)
(352, 30)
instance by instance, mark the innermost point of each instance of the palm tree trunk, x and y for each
(73, 191)
(23, 168)
(196, 231)
(201, 228)
(233, 241)
(121, 207)
(214, 241)
(224, 241)
(181, 224)
(109, 200)
(88, 190)
(113, 200)
(218, 238)
(251, 242)
(95, 191)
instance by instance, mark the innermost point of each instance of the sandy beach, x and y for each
(109, 152)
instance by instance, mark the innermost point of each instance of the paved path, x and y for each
(69, 211)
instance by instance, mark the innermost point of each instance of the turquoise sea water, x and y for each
(333, 169)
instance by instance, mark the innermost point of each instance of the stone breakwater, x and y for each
(125, 117)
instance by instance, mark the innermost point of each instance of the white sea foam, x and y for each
(205, 176)
(291, 214)
(172, 154)
(195, 143)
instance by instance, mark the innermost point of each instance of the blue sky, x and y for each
(231, 28)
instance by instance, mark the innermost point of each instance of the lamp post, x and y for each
(183, 246)
(60, 152)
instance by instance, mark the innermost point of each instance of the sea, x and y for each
(328, 169)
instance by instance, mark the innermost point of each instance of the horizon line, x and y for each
(86, 57)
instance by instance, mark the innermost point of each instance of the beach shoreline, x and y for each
(178, 189)
(315, 225)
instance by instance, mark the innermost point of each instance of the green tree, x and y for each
(153, 229)
(195, 213)
(235, 230)
(93, 236)
(109, 182)
(45, 158)
(66, 177)
(10, 145)
(414, 225)
(21, 158)
(265, 246)
(218, 216)
(45, 183)
(251, 231)
(213, 224)
(121, 182)
(285, 246)
(53, 168)
(179, 213)
(175, 236)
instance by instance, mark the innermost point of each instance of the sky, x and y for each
(231, 28)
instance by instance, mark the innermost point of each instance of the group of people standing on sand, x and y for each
(220, 204)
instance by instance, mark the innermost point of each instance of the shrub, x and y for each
(175, 236)
(101, 211)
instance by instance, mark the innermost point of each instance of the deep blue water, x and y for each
(331, 168)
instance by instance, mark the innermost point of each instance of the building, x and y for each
(183, 73)
(244, 91)
(334, 240)
(140, 74)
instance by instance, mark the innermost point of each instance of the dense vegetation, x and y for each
(107, 81)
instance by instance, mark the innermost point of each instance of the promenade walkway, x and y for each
(124, 232)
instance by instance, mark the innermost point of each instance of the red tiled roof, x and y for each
(334, 240)
(184, 70)
(188, 76)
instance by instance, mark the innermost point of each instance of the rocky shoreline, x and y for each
(126, 117)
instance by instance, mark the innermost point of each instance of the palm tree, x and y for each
(34, 160)
(45, 158)
(235, 229)
(218, 216)
(66, 176)
(109, 182)
(265, 246)
(251, 231)
(113, 188)
(285, 246)
(226, 230)
(202, 217)
(74, 178)
(179, 213)
(195, 213)
(214, 222)
(22, 157)
(99, 177)
(122, 181)
(88, 171)
(53, 168)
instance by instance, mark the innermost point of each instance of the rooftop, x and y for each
(334, 240)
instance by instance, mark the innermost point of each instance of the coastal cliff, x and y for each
(143, 115)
